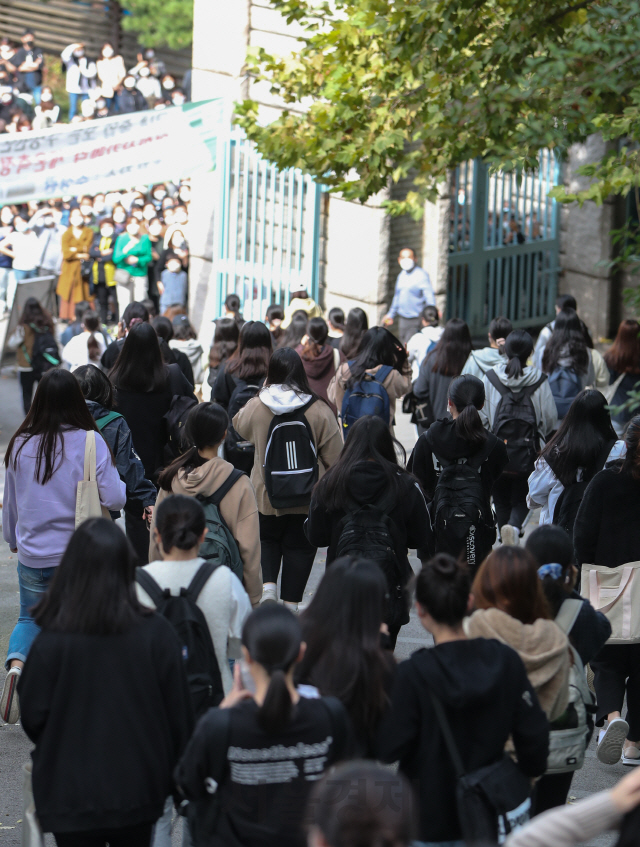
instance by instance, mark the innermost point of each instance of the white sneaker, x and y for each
(510, 535)
(611, 741)
(631, 755)
(269, 595)
(9, 705)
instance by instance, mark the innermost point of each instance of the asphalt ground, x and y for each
(15, 746)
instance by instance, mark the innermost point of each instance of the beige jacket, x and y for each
(252, 423)
(238, 508)
(396, 384)
(543, 648)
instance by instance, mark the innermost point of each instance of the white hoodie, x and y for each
(281, 400)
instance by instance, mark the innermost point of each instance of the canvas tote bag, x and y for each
(31, 833)
(616, 593)
(88, 496)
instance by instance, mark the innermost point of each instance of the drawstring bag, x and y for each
(88, 495)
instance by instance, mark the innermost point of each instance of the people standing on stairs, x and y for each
(102, 281)
(44, 463)
(34, 322)
(368, 506)
(319, 358)
(81, 73)
(424, 340)
(483, 687)
(87, 347)
(457, 463)
(240, 379)
(335, 322)
(355, 327)
(347, 653)
(45, 223)
(132, 257)
(102, 656)
(379, 349)
(623, 363)
(144, 390)
(584, 444)
(23, 248)
(413, 292)
(520, 410)
(483, 360)
(567, 362)
(200, 472)
(301, 301)
(72, 286)
(605, 534)
(315, 435)
(438, 368)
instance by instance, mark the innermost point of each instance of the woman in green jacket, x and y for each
(132, 257)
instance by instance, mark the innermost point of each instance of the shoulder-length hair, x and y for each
(624, 354)
(93, 590)
(508, 580)
(567, 342)
(139, 367)
(452, 350)
(58, 405)
(378, 347)
(251, 357)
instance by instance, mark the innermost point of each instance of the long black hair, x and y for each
(294, 333)
(551, 544)
(370, 440)
(34, 313)
(57, 406)
(272, 637)
(378, 347)
(205, 427)
(567, 342)
(93, 590)
(180, 522)
(250, 359)
(517, 348)
(341, 628)
(94, 385)
(225, 341)
(631, 463)
(286, 368)
(139, 367)
(452, 350)
(467, 395)
(580, 438)
(354, 329)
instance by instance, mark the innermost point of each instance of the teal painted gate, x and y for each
(267, 229)
(503, 245)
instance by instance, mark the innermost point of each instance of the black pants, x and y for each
(616, 670)
(551, 790)
(510, 499)
(102, 296)
(27, 380)
(283, 540)
(137, 529)
(127, 836)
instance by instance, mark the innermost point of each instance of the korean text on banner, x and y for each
(110, 154)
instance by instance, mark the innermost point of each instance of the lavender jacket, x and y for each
(40, 519)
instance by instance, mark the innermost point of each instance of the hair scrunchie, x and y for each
(553, 569)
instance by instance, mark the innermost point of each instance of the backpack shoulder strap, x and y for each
(148, 583)
(529, 390)
(481, 456)
(382, 373)
(200, 579)
(568, 614)
(339, 721)
(218, 496)
(497, 383)
(449, 740)
(106, 419)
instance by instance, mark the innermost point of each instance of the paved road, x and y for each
(15, 747)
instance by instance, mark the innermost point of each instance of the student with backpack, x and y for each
(36, 348)
(520, 410)
(225, 493)
(567, 362)
(45, 461)
(584, 444)
(563, 303)
(320, 359)
(623, 364)
(481, 361)
(355, 327)
(104, 698)
(296, 438)
(474, 691)
(263, 749)
(372, 382)
(457, 463)
(423, 342)
(368, 506)
(238, 381)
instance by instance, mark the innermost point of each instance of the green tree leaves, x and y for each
(160, 22)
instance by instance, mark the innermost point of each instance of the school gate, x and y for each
(503, 245)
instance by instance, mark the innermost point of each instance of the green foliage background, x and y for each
(161, 22)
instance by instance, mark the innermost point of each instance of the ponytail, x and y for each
(206, 426)
(275, 712)
(91, 323)
(93, 348)
(467, 395)
(180, 521)
(517, 348)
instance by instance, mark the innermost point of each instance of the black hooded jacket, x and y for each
(487, 697)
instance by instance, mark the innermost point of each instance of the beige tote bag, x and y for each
(88, 496)
(31, 833)
(616, 593)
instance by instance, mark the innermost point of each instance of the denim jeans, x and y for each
(163, 828)
(20, 275)
(6, 275)
(74, 99)
(33, 583)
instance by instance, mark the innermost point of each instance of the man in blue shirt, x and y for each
(413, 293)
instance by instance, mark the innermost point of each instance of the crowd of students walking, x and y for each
(183, 683)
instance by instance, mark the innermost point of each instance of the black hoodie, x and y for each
(483, 686)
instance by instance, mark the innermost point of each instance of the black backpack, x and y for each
(290, 460)
(568, 502)
(45, 354)
(187, 619)
(515, 423)
(463, 522)
(369, 533)
(240, 396)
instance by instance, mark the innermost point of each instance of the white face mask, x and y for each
(407, 264)
(155, 229)
(47, 221)
(129, 83)
(99, 205)
(78, 54)
(21, 226)
(180, 217)
(119, 218)
(46, 97)
(178, 101)
(6, 217)
(174, 267)
(133, 229)
(76, 220)
(147, 214)
(86, 210)
(168, 84)
(144, 71)
(107, 52)
(107, 232)
(160, 195)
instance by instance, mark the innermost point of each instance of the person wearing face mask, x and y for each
(132, 257)
(148, 211)
(111, 72)
(128, 99)
(76, 243)
(23, 248)
(46, 112)
(27, 64)
(81, 75)
(86, 207)
(158, 194)
(173, 284)
(102, 278)
(184, 193)
(49, 234)
(413, 292)
(178, 97)
(168, 85)
(119, 217)
(148, 85)
(155, 230)
(6, 274)
(102, 109)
